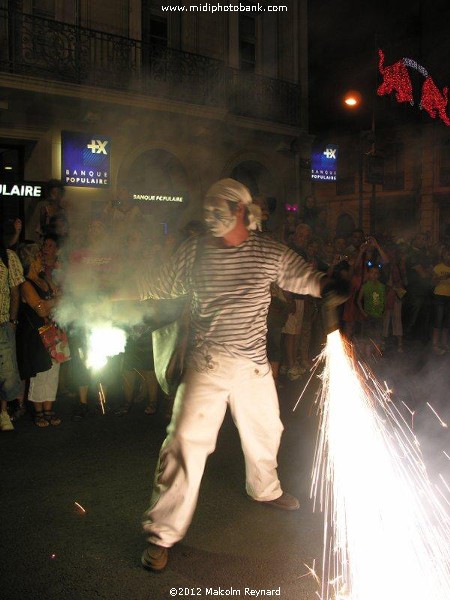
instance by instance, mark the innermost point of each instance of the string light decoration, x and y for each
(396, 80)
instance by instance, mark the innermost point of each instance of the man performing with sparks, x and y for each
(227, 274)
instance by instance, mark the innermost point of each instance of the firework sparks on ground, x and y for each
(386, 533)
(101, 397)
(79, 508)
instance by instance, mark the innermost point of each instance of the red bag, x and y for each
(55, 342)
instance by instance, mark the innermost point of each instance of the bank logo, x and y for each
(97, 146)
(85, 159)
(330, 153)
(324, 163)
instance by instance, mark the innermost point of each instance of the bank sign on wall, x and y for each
(21, 190)
(324, 163)
(85, 159)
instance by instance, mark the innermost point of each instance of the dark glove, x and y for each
(334, 293)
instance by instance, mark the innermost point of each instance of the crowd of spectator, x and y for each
(399, 291)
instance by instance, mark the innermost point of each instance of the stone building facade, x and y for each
(413, 194)
(184, 97)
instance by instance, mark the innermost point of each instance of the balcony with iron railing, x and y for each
(55, 51)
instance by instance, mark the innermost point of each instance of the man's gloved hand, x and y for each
(334, 293)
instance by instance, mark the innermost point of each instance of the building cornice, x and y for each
(144, 101)
(99, 94)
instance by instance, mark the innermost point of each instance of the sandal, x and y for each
(51, 417)
(40, 420)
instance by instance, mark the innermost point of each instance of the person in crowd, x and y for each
(11, 277)
(279, 309)
(314, 216)
(12, 230)
(50, 249)
(261, 202)
(363, 256)
(290, 222)
(327, 253)
(293, 326)
(47, 209)
(419, 277)
(441, 304)
(395, 292)
(39, 298)
(340, 245)
(226, 363)
(90, 278)
(371, 303)
(311, 309)
(59, 227)
(357, 239)
(138, 369)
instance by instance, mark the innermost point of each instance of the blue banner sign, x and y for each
(85, 159)
(324, 163)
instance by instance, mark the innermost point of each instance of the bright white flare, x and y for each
(104, 341)
(386, 534)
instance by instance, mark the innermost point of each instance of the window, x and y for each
(154, 24)
(247, 42)
(156, 33)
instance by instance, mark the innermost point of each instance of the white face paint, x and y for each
(218, 217)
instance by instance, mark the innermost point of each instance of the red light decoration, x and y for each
(396, 80)
(434, 101)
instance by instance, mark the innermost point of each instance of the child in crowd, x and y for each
(371, 302)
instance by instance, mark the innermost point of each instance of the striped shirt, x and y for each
(230, 290)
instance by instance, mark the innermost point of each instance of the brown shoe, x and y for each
(284, 502)
(155, 558)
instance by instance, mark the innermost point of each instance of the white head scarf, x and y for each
(234, 191)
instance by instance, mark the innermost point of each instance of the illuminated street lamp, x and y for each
(353, 100)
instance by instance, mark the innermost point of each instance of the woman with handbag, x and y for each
(39, 298)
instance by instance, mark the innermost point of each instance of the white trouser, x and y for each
(209, 385)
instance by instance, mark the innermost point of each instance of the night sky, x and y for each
(344, 37)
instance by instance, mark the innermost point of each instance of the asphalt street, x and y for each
(52, 550)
